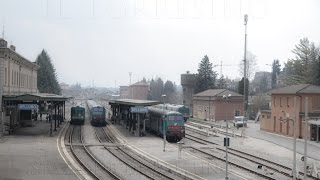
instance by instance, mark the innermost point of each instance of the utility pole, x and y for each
(305, 155)
(294, 138)
(245, 65)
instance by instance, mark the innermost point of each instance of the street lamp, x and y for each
(226, 139)
(245, 64)
(164, 124)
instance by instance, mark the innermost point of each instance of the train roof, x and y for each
(92, 104)
(134, 102)
(162, 111)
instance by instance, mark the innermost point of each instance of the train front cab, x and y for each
(175, 129)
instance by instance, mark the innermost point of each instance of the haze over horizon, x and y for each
(102, 41)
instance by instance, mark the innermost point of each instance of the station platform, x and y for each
(30, 153)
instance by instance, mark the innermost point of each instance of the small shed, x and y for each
(210, 105)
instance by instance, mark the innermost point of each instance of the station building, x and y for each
(19, 95)
(280, 118)
(210, 105)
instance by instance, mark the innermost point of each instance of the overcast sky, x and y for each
(100, 41)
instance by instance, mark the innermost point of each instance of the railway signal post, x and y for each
(226, 139)
(164, 126)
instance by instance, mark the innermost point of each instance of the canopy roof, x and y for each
(134, 102)
(36, 97)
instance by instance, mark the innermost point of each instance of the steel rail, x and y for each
(77, 158)
(235, 164)
(126, 155)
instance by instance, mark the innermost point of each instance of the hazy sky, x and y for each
(101, 41)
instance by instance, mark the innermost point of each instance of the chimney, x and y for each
(12, 47)
(3, 43)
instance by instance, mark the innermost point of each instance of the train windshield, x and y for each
(77, 112)
(98, 111)
(175, 118)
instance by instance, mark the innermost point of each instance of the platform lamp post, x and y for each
(226, 139)
(164, 124)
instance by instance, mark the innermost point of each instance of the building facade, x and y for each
(124, 92)
(210, 105)
(188, 82)
(17, 76)
(284, 111)
(139, 91)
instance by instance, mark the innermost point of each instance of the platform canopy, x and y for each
(314, 122)
(36, 97)
(133, 102)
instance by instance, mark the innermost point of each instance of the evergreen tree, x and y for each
(303, 68)
(206, 77)
(318, 70)
(276, 68)
(47, 77)
(222, 84)
(156, 89)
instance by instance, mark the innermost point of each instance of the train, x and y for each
(184, 110)
(97, 113)
(172, 121)
(78, 114)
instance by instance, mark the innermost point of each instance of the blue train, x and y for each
(97, 113)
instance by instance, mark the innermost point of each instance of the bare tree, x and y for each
(251, 65)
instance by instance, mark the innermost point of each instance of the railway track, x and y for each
(236, 164)
(84, 157)
(265, 163)
(145, 167)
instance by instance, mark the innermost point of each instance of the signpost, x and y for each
(139, 110)
(27, 106)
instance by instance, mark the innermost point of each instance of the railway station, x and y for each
(131, 113)
(23, 110)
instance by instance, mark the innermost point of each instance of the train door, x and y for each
(318, 132)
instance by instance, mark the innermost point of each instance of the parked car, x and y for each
(240, 121)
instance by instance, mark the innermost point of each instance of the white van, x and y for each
(240, 121)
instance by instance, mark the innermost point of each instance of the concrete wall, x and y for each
(266, 121)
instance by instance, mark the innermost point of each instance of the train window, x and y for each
(175, 118)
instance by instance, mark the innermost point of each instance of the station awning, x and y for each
(133, 102)
(314, 122)
(36, 97)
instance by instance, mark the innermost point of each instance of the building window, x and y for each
(288, 99)
(262, 116)
(316, 102)
(12, 78)
(268, 116)
(184, 89)
(280, 101)
(274, 101)
(5, 76)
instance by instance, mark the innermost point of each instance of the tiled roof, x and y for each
(298, 89)
(216, 93)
